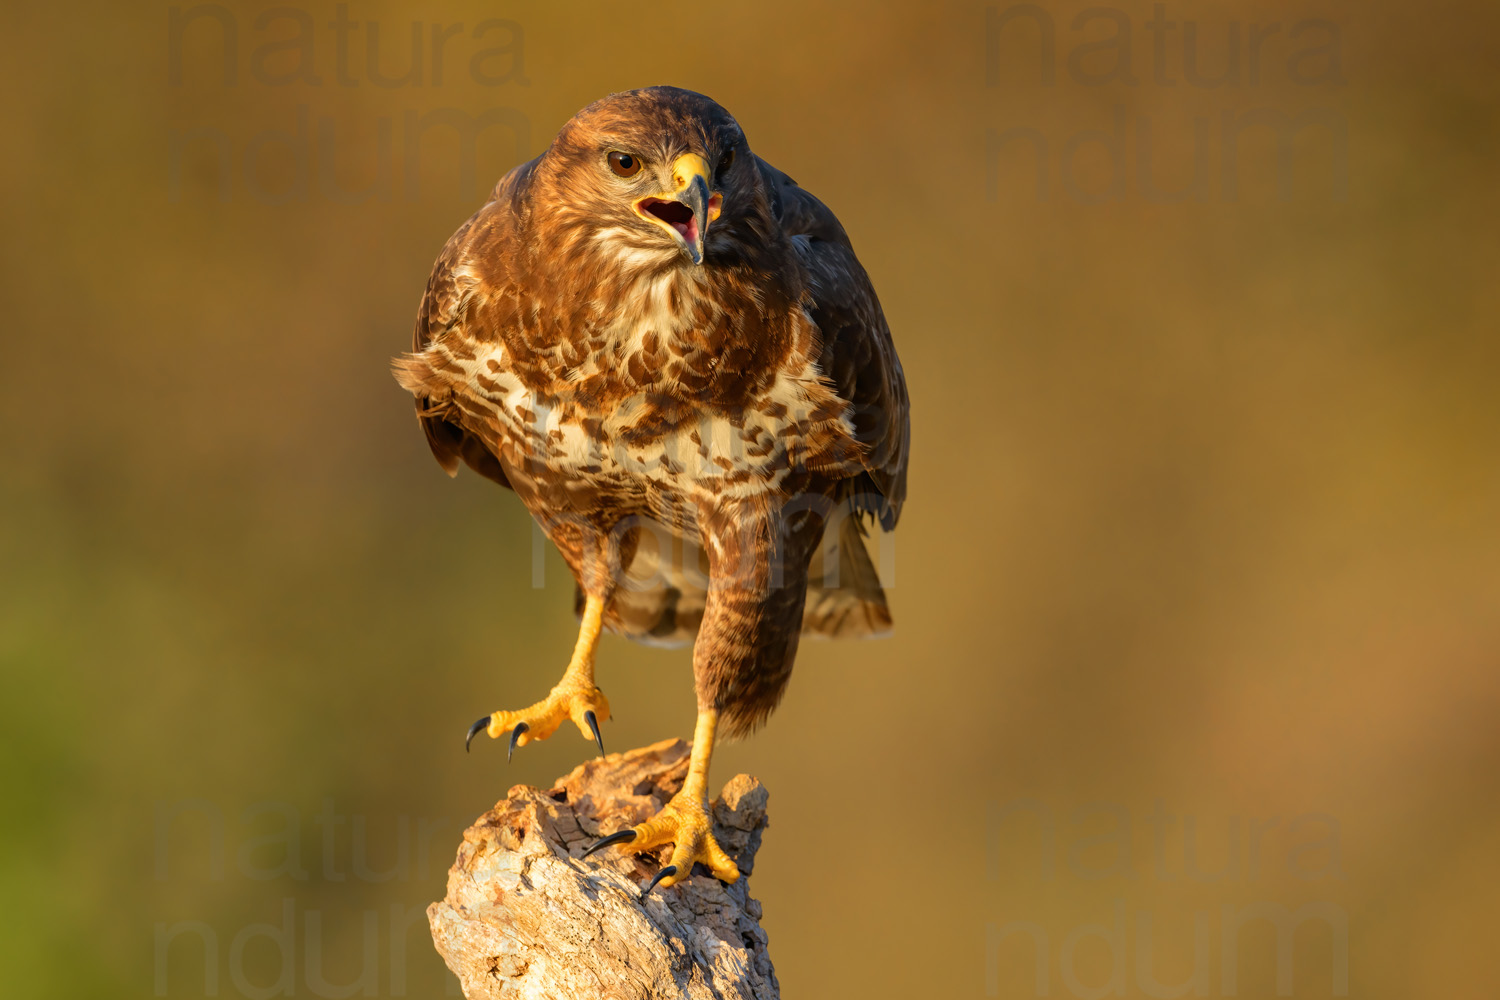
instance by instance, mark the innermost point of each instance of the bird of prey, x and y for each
(669, 351)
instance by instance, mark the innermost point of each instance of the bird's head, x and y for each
(651, 176)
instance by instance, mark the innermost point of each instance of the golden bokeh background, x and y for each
(1202, 520)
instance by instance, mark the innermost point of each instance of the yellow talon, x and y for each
(542, 719)
(575, 696)
(684, 821)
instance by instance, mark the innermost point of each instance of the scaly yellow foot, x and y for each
(683, 822)
(587, 707)
(575, 696)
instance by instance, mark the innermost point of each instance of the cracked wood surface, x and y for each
(525, 919)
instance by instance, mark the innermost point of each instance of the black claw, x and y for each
(515, 734)
(622, 837)
(594, 725)
(669, 870)
(474, 731)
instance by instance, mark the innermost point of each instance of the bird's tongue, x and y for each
(678, 216)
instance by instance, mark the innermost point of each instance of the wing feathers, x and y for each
(858, 353)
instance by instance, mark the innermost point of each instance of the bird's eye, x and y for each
(624, 164)
(726, 161)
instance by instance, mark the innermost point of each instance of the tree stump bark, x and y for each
(525, 919)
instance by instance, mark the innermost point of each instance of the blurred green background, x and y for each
(1202, 520)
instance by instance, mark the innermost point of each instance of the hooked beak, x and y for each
(688, 208)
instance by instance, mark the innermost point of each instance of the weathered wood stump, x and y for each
(526, 919)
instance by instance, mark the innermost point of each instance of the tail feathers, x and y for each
(662, 598)
(844, 597)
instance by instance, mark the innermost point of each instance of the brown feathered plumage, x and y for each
(696, 396)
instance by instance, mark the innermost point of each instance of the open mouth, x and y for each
(675, 214)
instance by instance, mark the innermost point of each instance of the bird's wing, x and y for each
(449, 289)
(857, 352)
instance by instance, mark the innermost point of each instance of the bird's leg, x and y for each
(575, 696)
(684, 822)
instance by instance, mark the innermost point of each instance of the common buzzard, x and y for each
(669, 351)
